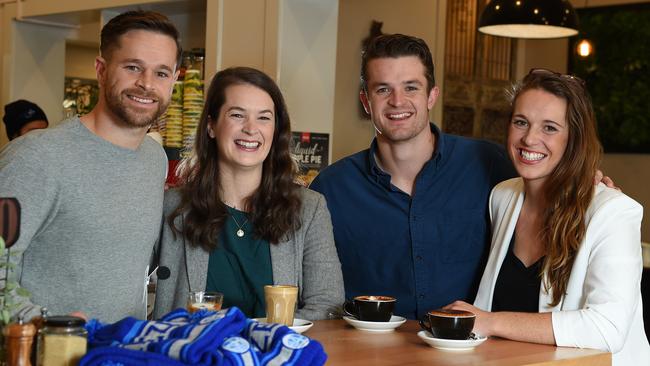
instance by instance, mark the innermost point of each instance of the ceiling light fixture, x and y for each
(532, 19)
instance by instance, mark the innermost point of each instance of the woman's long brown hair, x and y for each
(274, 208)
(570, 187)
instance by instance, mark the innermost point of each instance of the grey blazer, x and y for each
(307, 259)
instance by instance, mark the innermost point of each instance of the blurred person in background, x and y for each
(23, 116)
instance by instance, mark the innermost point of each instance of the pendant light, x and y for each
(584, 47)
(533, 19)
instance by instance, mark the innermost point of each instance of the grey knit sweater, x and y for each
(90, 217)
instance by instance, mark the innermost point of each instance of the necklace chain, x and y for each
(240, 231)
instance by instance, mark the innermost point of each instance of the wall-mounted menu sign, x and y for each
(311, 151)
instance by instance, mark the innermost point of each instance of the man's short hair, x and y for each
(397, 45)
(137, 20)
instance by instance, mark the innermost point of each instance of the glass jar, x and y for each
(198, 65)
(186, 63)
(198, 55)
(62, 341)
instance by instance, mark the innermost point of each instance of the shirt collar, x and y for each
(440, 143)
(376, 171)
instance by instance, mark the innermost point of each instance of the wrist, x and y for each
(491, 324)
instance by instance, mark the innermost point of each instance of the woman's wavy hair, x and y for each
(273, 208)
(570, 187)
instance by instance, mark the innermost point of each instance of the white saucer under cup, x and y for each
(299, 325)
(451, 344)
(376, 327)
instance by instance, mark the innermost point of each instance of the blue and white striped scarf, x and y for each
(204, 338)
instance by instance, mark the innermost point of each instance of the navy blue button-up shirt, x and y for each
(427, 249)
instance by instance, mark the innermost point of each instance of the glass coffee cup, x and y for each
(281, 302)
(203, 300)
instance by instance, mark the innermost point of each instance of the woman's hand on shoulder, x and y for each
(600, 177)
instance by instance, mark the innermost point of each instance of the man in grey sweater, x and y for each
(91, 189)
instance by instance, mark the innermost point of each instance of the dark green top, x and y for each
(240, 267)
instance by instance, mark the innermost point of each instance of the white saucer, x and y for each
(377, 327)
(451, 344)
(299, 325)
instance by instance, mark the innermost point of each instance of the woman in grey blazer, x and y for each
(238, 221)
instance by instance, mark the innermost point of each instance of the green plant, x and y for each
(618, 74)
(11, 295)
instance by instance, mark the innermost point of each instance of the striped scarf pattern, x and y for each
(204, 338)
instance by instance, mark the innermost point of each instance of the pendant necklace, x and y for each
(240, 231)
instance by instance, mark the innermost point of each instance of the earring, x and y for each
(210, 133)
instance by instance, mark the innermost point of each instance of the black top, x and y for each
(517, 287)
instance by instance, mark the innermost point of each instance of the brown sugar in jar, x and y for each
(62, 341)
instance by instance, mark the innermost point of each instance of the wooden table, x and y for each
(346, 345)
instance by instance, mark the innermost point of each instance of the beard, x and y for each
(132, 117)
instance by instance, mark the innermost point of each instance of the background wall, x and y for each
(243, 33)
(307, 62)
(80, 61)
(39, 67)
(192, 27)
(551, 53)
(5, 54)
(631, 172)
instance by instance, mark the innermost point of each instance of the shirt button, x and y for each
(419, 257)
(421, 296)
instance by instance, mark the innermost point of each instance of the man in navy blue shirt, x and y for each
(410, 213)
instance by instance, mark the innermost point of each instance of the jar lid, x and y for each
(64, 321)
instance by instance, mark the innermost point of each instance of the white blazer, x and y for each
(602, 307)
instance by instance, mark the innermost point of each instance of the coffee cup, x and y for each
(449, 324)
(281, 303)
(371, 308)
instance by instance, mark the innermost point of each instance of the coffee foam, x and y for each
(375, 298)
(444, 313)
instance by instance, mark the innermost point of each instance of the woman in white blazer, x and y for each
(565, 263)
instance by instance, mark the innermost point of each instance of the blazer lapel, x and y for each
(283, 261)
(503, 228)
(197, 266)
